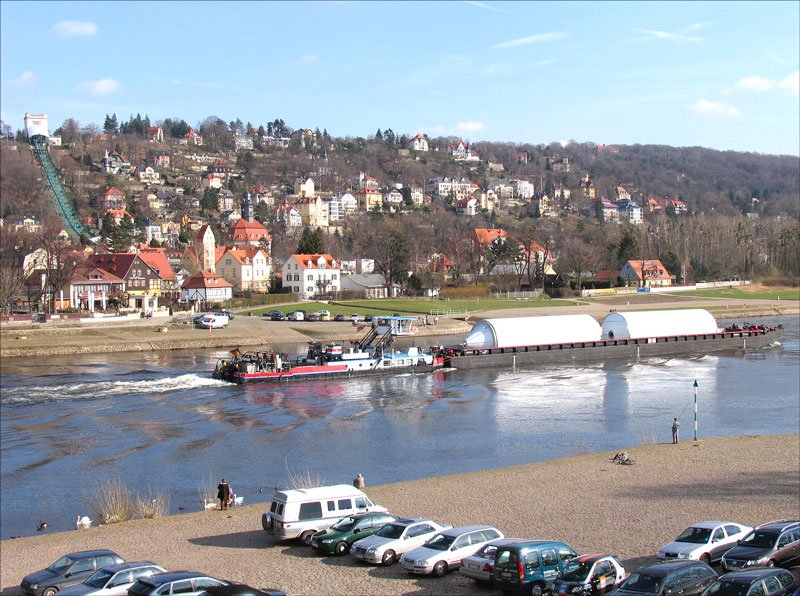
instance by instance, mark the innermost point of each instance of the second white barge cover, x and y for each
(658, 323)
(532, 331)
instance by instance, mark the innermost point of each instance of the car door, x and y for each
(718, 545)
(203, 583)
(603, 577)
(699, 576)
(118, 584)
(78, 572)
(788, 547)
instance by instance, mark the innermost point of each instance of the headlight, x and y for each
(327, 541)
(34, 586)
(577, 589)
(372, 551)
(684, 556)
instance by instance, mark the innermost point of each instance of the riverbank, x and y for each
(587, 501)
(53, 338)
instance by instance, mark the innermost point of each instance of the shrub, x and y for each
(152, 504)
(304, 479)
(111, 502)
(207, 490)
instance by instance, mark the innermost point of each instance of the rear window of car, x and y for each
(311, 510)
(732, 530)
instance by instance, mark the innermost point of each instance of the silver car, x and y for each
(113, 580)
(447, 548)
(480, 566)
(186, 583)
(705, 541)
(394, 539)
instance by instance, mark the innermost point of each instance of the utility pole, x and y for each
(695, 409)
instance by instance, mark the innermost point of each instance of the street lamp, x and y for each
(695, 409)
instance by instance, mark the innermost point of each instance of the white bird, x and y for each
(209, 504)
(237, 500)
(82, 523)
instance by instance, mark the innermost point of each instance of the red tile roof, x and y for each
(205, 279)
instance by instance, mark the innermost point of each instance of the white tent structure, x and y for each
(532, 331)
(658, 323)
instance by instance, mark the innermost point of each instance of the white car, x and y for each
(394, 539)
(445, 550)
(706, 541)
(113, 580)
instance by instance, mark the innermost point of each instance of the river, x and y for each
(161, 424)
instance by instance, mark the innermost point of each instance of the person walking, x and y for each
(676, 426)
(224, 494)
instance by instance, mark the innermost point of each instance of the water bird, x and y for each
(237, 500)
(181, 508)
(209, 504)
(82, 523)
(15, 537)
(42, 526)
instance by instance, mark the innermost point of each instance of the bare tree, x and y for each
(14, 245)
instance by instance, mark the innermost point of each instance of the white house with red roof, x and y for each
(246, 269)
(419, 143)
(289, 214)
(245, 234)
(112, 198)
(204, 287)
(312, 275)
(646, 273)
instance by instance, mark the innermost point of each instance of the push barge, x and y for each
(496, 343)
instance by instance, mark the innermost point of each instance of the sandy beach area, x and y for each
(170, 333)
(587, 501)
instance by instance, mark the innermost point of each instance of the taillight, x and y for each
(521, 569)
(487, 567)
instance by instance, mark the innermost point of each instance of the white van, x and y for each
(214, 322)
(299, 513)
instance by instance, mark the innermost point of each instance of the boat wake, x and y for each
(103, 389)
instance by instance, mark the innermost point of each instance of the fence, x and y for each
(519, 295)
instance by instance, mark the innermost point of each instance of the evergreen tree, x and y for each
(311, 242)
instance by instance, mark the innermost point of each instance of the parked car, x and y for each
(186, 583)
(324, 315)
(706, 541)
(754, 582)
(214, 321)
(589, 575)
(295, 315)
(312, 317)
(69, 570)
(225, 313)
(445, 550)
(480, 566)
(337, 539)
(268, 314)
(301, 513)
(241, 590)
(395, 539)
(531, 566)
(339, 317)
(113, 580)
(771, 544)
(354, 317)
(368, 317)
(686, 578)
(277, 316)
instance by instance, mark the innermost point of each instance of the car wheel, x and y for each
(705, 558)
(536, 590)
(388, 558)
(305, 537)
(770, 563)
(340, 548)
(439, 569)
(49, 591)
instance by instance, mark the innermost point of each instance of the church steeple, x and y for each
(247, 207)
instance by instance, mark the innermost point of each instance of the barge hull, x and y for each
(623, 349)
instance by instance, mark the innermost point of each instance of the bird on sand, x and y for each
(82, 523)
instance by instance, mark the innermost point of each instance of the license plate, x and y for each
(474, 566)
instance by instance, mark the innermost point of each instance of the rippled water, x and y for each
(160, 422)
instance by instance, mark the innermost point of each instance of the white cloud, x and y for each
(101, 87)
(487, 7)
(470, 126)
(309, 58)
(706, 107)
(67, 29)
(26, 79)
(789, 83)
(674, 36)
(523, 41)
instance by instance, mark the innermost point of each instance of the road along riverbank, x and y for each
(587, 501)
(52, 338)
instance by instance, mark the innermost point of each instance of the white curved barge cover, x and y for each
(533, 331)
(658, 323)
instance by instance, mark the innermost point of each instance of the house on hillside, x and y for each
(205, 287)
(645, 273)
(246, 269)
(369, 285)
(311, 275)
(419, 143)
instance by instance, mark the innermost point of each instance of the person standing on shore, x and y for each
(224, 494)
(676, 426)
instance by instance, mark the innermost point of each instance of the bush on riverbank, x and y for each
(113, 502)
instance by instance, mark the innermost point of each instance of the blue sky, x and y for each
(722, 75)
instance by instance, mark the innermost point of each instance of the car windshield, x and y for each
(727, 589)
(576, 570)
(99, 578)
(695, 535)
(391, 531)
(640, 582)
(61, 565)
(758, 539)
(344, 524)
(440, 542)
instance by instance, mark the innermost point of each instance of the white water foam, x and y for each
(105, 389)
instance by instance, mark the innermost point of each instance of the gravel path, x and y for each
(586, 501)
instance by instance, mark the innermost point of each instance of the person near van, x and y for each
(224, 494)
(676, 426)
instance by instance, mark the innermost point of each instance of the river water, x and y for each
(160, 423)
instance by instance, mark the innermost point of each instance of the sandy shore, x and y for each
(54, 338)
(586, 501)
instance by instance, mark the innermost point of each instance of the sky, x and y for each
(722, 75)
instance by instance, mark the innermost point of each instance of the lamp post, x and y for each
(695, 409)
